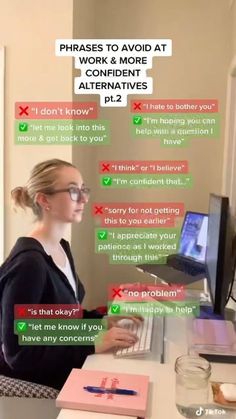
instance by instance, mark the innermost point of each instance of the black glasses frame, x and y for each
(72, 190)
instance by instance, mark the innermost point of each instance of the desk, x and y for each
(162, 395)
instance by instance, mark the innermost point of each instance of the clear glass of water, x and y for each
(192, 385)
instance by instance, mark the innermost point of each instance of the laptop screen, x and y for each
(193, 239)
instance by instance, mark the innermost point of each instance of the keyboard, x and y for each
(186, 266)
(144, 333)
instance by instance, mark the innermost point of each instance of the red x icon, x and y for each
(21, 311)
(116, 292)
(106, 167)
(98, 210)
(23, 111)
(137, 106)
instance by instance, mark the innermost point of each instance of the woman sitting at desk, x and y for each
(40, 270)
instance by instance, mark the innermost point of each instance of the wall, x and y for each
(234, 26)
(229, 173)
(84, 23)
(201, 34)
(33, 73)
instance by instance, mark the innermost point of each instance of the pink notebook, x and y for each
(73, 395)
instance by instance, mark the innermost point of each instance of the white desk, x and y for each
(162, 377)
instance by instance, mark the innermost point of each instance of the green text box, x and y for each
(175, 129)
(58, 331)
(146, 181)
(156, 308)
(132, 246)
(62, 132)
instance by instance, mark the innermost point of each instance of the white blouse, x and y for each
(68, 273)
(66, 269)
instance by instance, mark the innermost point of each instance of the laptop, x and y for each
(188, 265)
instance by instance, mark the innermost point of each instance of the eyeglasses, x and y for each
(75, 193)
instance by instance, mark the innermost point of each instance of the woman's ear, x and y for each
(42, 200)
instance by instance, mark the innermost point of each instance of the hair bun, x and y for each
(21, 197)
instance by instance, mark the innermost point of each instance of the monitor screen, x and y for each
(219, 260)
(194, 236)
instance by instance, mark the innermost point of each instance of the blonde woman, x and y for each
(40, 270)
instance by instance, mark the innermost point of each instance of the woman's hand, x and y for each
(111, 321)
(118, 337)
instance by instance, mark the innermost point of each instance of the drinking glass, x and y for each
(192, 385)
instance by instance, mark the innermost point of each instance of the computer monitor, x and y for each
(193, 236)
(219, 253)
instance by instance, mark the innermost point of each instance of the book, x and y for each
(74, 396)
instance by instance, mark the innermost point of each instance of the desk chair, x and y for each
(20, 399)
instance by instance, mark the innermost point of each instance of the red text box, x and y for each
(145, 292)
(143, 166)
(174, 106)
(136, 215)
(48, 311)
(56, 110)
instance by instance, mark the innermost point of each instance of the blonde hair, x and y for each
(42, 179)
